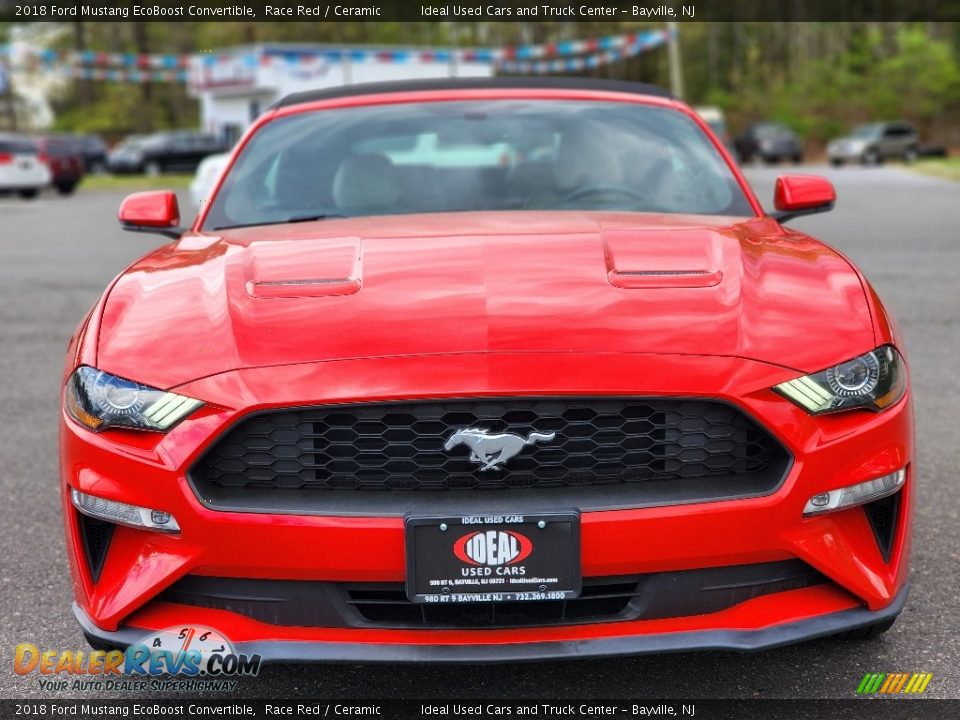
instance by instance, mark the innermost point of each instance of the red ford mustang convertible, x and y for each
(480, 371)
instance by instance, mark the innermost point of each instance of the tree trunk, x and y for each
(84, 85)
(142, 43)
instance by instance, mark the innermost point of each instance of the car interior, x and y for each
(485, 158)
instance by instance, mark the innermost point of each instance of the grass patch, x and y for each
(948, 168)
(135, 183)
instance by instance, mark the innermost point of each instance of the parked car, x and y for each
(206, 177)
(21, 169)
(873, 143)
(94, 151)
(770, 142)
(462, 411)
(715, 118)
(64, 158)
(178, 151)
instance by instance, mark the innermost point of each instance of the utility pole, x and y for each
(673, 57)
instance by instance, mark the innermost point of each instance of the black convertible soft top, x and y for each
(551, 83)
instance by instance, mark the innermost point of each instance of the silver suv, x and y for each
(873, 143)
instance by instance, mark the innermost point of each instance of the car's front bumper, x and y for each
(123, 166)
(493, 651)
(847, 152)
(829, 452)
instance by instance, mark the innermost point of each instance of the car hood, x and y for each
(558, 282)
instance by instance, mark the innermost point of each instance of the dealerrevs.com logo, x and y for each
(197, 657)
(493, 548)
(894, 683)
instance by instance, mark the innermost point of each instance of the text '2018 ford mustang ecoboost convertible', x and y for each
(486, 370)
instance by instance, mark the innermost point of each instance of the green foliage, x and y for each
(819, 78)
(822, 78)
(922, 76)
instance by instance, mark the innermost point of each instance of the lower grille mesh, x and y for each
(635, 597)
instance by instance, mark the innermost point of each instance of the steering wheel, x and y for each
(599, 188)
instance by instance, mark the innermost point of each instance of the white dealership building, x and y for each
(234, 86)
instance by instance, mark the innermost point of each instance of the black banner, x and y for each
(446, 709)
(477, 10)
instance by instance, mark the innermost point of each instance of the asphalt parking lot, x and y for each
(57, 255)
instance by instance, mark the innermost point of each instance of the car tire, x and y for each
(153, 168)
(28, 194)
(871, 631)
(66, 188)
(836, 162)
(871, 157)
(798, 159)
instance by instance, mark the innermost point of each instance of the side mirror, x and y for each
(797, 195)
(152, 212)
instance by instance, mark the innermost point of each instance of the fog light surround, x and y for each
(123, 514)
(854, 495)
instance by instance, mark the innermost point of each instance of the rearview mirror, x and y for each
(153, 212)
(797, 195)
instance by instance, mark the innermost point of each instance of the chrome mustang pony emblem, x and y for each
(493, 450)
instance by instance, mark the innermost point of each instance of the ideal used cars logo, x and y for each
(493, 548)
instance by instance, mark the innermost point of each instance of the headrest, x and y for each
(365, 182)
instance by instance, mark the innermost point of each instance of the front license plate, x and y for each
(493, 558)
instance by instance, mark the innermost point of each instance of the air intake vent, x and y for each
(96, 536)
(883, 515)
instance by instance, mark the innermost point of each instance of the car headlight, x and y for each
(873, 381)
(98, 400)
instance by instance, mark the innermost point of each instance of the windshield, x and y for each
(866, 132)
(17, 145)
(476, 155)
(133, 143)
(718, 126)
(772, 130)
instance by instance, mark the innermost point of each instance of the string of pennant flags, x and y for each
(631, 46)
(546, 58)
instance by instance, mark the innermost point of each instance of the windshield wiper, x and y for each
(311, 218)
(292, 219)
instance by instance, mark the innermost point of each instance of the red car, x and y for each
(385, 404)
(64, 157)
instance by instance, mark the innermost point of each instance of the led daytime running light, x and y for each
(873, 381)
(124, 514)
(98, 400)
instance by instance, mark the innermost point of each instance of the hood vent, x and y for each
(664, 278)
(304, 268)
(658, 258)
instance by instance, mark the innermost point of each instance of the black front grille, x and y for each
(599, 601)
(399, 446)
(304, 603)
